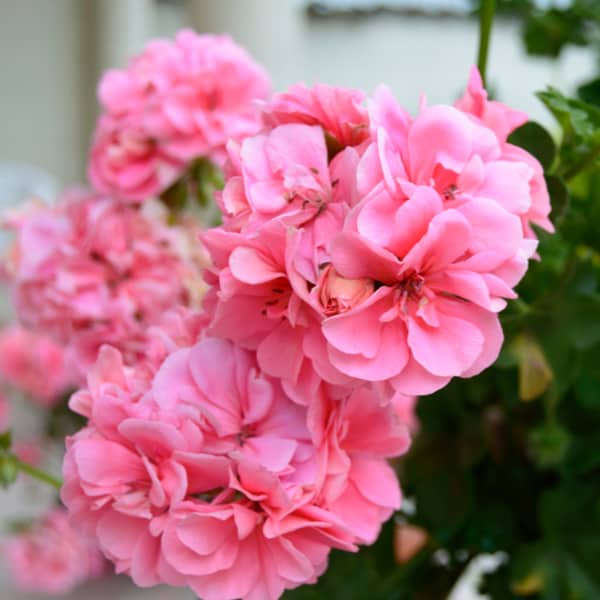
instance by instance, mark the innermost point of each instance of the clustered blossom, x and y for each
(368, 245)
(91, 270)
(175, 102)
(206, 474)
(363, 259)
(35, 365)
(52, 557)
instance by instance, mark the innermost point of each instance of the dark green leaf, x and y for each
(535, 139)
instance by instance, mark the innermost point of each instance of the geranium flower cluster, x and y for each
(366, 245)
(175, 102)
(364, 257)
(92, 270)
(202, 471)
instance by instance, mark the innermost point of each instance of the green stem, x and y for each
(582, 164)
(486, 17)
(38, 474)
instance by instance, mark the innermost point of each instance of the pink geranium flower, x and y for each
(52, 557)
(384, 262)
(35, 365)
(500, 118)
(212, 478)
(339, 111)
(91, 270)
(175, 102)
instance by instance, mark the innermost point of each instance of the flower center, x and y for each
(411, 286)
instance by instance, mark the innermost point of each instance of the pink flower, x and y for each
(211, 477)
(386, 262)
(503, 121)
(127, 161)
(34, 364)
(500, 118)
(339, 111)
(358, 434)
(338, 294)
(30, 450)
(52, 557)
(433, 315)
(177, 101)
(91, 270)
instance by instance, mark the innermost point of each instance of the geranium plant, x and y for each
(388, 297)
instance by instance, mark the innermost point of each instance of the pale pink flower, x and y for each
(127, 161)
(52, 557)
(30, 450)
(500, 118)
(91, 270)
(175, 102)
(35, 365)
(209, 476)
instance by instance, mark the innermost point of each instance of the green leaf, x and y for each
(549, 444)
(559, 196)
(590, 92)
(547, 33)
(535, 139)
(575, 116)
(5, 440)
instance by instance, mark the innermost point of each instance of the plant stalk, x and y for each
(38, 474)
(486, 17)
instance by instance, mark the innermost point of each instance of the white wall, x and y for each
(53, 51)
(411, 54)
(42, 74)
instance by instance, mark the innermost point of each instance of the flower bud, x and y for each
(338, 294)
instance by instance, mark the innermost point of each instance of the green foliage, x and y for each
(510, 460)
(535, 139)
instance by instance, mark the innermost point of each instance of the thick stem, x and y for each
(486, 17)
(38, 474)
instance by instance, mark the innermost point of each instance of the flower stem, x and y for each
(38, 474)
(486, 17)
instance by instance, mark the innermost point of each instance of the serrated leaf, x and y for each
(575, 116)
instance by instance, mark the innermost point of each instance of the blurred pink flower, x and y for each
(35, 365)
(91, 270)
(175, 102)
(29, 450)
(213, 478)
(52, 557)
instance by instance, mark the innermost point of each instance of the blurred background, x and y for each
(54, 51)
